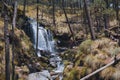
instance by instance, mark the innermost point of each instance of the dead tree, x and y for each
(89, 21)
(13, 26)
(6, 36)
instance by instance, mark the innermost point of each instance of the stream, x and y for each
(46, 44)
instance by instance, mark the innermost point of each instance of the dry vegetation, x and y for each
(91, 56)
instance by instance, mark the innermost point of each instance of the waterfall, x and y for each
(47, 44)
(45, 38)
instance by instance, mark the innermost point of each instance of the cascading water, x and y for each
(46, 43)
(45, 38)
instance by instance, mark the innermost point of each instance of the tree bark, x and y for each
(13, 26)
(6, 36)
(89, 21)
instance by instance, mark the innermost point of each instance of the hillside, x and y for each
(60, 40)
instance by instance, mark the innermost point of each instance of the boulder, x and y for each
(43, 75)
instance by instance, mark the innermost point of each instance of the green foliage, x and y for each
(98, 4)
(98, 8)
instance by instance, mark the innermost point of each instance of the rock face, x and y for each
(44, 75)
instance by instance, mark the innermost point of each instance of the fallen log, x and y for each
(102, 68)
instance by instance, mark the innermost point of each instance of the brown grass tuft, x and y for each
(107, 73)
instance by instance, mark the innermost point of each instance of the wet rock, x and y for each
(44, 75)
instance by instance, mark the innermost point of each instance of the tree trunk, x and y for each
(79, 4)
(98, 25)
(37, 27)
(107, 25)
(106, 20)
(117, 9)
(89, 21)
(107, 3)
(13, 26)
(53, 5)
(67, 19)
(6, 36)
(24, 7)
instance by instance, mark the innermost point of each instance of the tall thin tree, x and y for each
(6, 36)
(106, 19)
(37, 14)
(67, 19)
(13, 26)
(53, 6)
(117, 9)
(89, 21)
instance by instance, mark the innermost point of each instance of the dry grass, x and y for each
(108, 73)
(93, 62)
(96, 54)
(116, 75)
